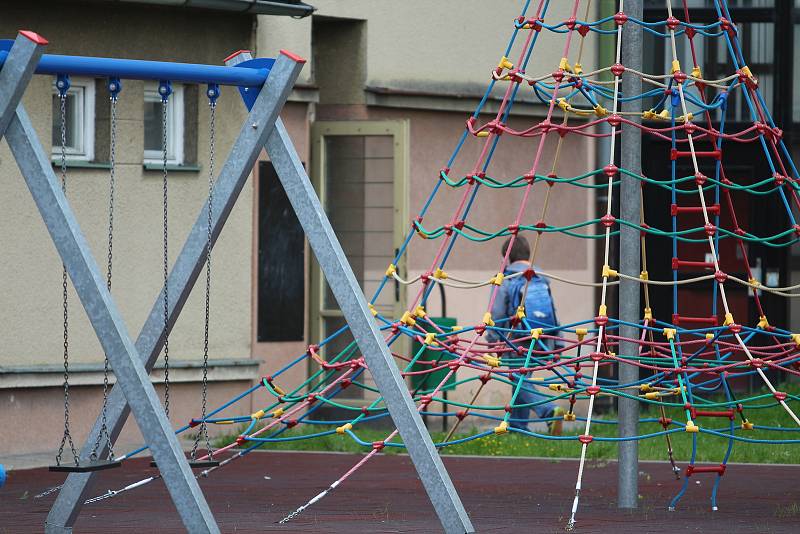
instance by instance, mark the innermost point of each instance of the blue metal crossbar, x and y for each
(252, 73)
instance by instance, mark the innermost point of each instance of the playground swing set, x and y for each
(264, 85)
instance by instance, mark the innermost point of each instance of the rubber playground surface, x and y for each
(500, 494)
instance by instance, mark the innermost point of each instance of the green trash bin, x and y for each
(428, 381)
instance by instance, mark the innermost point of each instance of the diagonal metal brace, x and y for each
(379, 359)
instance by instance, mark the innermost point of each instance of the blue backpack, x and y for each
(539, 309)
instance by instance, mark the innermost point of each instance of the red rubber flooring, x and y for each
(501, 495)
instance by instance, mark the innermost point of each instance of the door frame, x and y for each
(399, 129)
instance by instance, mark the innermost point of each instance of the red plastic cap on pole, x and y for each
(293, 57)
(233, 55)
(35, 37)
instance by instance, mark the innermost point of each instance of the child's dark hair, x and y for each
(520, 250)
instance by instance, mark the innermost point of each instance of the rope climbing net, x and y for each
(689, 363)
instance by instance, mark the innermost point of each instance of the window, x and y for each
(152, 126)
(79, 119)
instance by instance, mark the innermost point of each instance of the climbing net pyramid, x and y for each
(687, 360)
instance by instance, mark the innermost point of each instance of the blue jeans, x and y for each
(528, 393)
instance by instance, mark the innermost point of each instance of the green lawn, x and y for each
(710, 448)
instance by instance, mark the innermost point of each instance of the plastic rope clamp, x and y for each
(536, 333)
(344, 428)
(430, 338)
(419, 311)
(497, 279)
(487, 319)
(407, 319)
(691, 427)
(492, 361)
(391, 270)
(502, 428)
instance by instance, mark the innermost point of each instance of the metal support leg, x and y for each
(107, 323)
(381, 364)
(184, 273)
(17, 73)
(629, 261)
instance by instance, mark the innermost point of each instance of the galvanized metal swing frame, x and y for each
(264, 88)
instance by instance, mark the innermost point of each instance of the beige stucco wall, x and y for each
(439, 46)
(30, 322)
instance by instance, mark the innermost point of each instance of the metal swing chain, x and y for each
(164, 103)
(111, 191)
(203, 425)
(67, 437)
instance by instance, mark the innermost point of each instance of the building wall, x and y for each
(31, 319)
(428, 63)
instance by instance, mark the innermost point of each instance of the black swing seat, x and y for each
(85, 466)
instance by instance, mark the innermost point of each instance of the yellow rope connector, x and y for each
(669, 333)
(562, 103)
(258, 415)
(497, 279)
(556, 387)
(696, 72)
(691, 427)
(648, 314)
(456, 328)
(487, 319)
(600, 111)
(407, 319)
(796, 339)
(762, 322)
(569, 417)
(728, 319)
(577, 69)
(753, 282)
(709, 336)
(581, 333)
(505, 63)
(439, 274)
(644, 276)
(391, 270)
(520, 312)
(645, 388)
(419, 311)
(482, 133)
(536, 333)
(430, 338)
(277, 413)
(746, 71)
(664, 115)
(652, 395)
(502, 428)
(344, 428)
(648, 115)
(492, 361)
(602, 310)
(608, 272)
(684, 118)
(676, 66)
(373, 310)
(564, 65)
(747, 425)
(278, 389)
